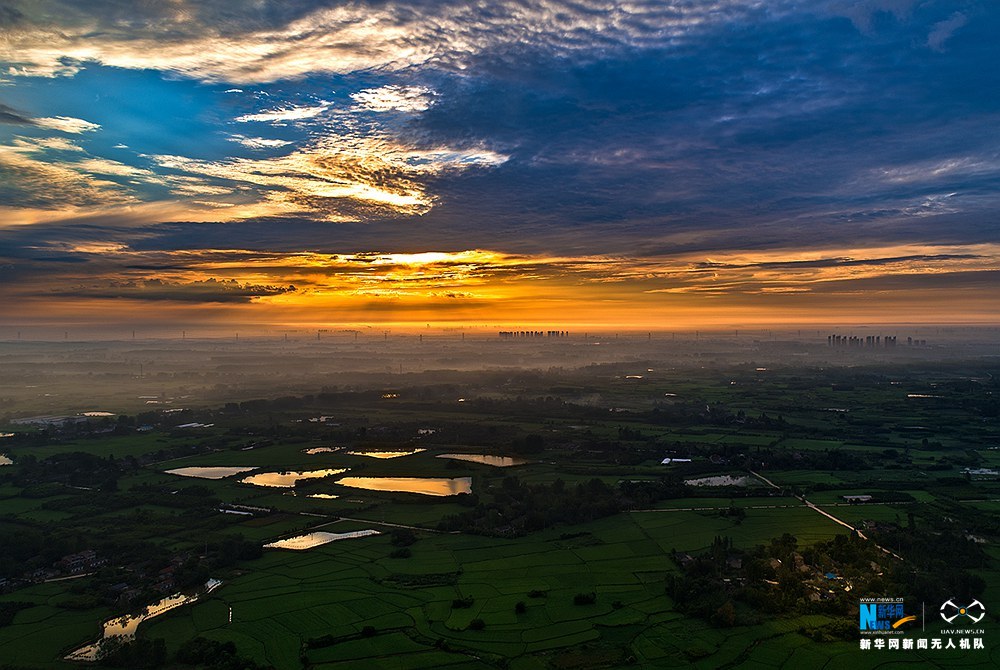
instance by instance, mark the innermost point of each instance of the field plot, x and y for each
(44, 632)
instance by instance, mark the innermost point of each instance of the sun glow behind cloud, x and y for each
(474, 284)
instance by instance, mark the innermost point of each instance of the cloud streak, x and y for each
(67, 124)
(203, 291)
(338, 177)
(12, 116)
(280, 116)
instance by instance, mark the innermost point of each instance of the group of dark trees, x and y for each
(729, 586)
(517, 507)
(141, 653)
(77, 468)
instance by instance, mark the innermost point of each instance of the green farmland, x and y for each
(585, 556)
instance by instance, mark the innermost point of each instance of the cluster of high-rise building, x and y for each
(869, 341)
(534, 333)
(855, 341)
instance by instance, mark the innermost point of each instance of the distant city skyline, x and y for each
(536, 166)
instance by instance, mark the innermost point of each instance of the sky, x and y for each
(642, 164)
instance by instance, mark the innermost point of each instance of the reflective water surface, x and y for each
(498, 461)
(288, 479)
(721, 480)
(427, 486)
(125, 626)
(310, 540)
(209, 472)
(385, 454)
(321, 450)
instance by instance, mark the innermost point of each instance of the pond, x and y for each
(423, 485)
(288, 479)
(385, 454)
(722, 480)
(316, 539)
(497, 461)
(213, 472)
(125, 626)
(321, 450)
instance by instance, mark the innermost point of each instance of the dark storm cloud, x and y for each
(10, 15)
(9, 114)
(973, 280)
(205, 291)
(841, 262)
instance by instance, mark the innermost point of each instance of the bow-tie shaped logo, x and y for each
(975, 611)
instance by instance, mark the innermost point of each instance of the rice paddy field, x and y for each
(341, 588)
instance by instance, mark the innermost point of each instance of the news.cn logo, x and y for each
(974, 611)
(883, 616)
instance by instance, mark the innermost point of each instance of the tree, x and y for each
(725, 616)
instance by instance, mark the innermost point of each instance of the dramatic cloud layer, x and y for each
(704, 161)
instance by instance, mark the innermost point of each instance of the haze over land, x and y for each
(58, 376)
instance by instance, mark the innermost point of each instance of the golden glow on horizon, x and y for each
(476, 285)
